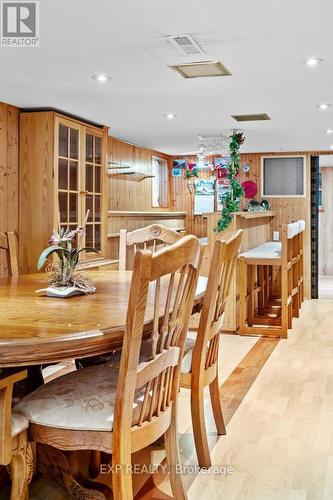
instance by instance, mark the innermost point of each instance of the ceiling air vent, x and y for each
(201, 69)
(186, 44)
(251, 118)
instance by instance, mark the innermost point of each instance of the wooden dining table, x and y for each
(38, 329)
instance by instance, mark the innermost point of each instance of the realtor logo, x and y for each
(20, 24)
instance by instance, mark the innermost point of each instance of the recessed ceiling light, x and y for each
(329, 131)
(312, 61)
(170, 116)
(324, 105)
(101, 78)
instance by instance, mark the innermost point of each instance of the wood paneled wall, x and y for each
(9, 134)
(126, 192)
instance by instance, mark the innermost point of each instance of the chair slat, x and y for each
(8, 242)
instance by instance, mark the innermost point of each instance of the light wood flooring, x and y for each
(278, 406)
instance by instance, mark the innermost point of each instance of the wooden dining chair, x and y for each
(121, 411)
(15, 451)
(149, 237)
(8, 242)
(200, 363)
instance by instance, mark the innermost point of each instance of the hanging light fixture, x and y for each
(212, 144)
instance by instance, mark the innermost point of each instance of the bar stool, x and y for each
(262, 313)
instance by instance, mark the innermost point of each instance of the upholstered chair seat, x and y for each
(269, 250)
(19, 424)
(81, 400)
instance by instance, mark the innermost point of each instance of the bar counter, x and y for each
(257, 229)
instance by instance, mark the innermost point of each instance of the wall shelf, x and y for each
(122, 170)
(157, 214)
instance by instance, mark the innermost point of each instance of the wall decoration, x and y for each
(204, 196)
(250, 189)
(211, 145)
(231, 199)
(191, 170)
(254, 206)
(190, 186)
(221, 172)
(180, 163)
(223, 187)
(266, 205)
(246, 168)
(176, 172)
(221, 162)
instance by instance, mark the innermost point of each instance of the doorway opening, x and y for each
(325, 226)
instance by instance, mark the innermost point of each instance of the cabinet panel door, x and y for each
(67, 173)
(93, 188)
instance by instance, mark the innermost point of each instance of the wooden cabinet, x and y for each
(62, 176)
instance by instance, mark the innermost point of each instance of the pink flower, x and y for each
(68, 236)
(55, 239)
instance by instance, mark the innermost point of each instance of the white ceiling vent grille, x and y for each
(201, 69)
(186, 44)
(251, 118)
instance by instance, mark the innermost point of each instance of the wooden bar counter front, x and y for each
(257, 229)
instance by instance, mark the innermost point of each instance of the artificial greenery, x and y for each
(230, 200)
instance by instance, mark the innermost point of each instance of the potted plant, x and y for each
(64, 279)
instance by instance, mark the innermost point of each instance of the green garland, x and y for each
(230, 200)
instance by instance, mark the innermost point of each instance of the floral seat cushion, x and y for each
(81, 400)
(19, 424)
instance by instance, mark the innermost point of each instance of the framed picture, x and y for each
(204, 196)
(221, 162)
(283, 176)
(180, 163)
(176, 172)
(223, 187)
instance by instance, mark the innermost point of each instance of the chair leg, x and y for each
(21, 469)
(173, 457)
(217, 406)
(199, 426)
(95, 464)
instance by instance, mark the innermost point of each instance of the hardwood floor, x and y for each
(278, 406)
(279, 442)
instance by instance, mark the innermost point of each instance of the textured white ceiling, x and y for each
(260, 41)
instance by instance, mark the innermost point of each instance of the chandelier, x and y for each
(212, 145)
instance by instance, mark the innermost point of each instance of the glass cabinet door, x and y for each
(93, 189)
(79, 180)
(68, 158)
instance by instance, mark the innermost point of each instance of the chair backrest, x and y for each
(221, 273)
(8, 242)
(169, 279)
(292, 240)
(145, 238)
